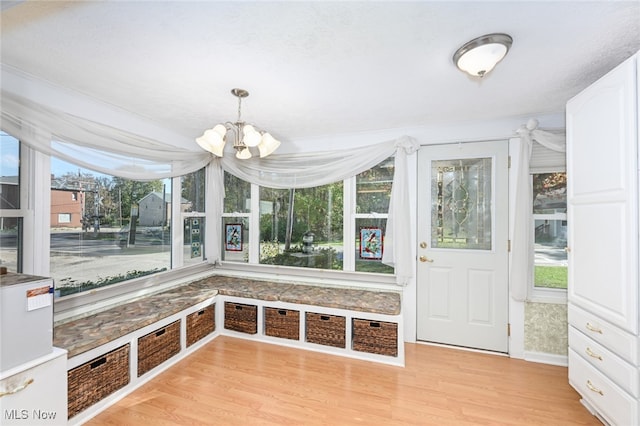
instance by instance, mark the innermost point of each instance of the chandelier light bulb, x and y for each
(268, 145)
(251, 136)
(243, 154)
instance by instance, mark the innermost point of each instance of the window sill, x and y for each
(312, 276)
(550, 295)
(81, 304)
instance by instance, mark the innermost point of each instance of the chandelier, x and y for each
(245, 135)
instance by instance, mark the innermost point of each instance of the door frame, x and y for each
(516, 308)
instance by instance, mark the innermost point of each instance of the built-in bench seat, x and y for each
(113, 351)
(80, 335)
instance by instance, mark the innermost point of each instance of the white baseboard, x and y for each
(545, 358)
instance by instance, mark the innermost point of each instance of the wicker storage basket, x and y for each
(282, 323)
(94, 380)
(158, 346)
(201, 324)
(239, 317)
(328, 330)
(377, 337)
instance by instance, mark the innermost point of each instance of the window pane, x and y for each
(237, 198)
(11, 243)
(550, 193)
(373, 188)
(235, 231)
(302, 227)
(370, 246)
(550, 254)
(194, 232)
(193, 191)
(461, 203)
(117, 229)
(10, 176)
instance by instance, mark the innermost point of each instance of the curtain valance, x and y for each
(117, 152)
(311, 169)
(94, 145)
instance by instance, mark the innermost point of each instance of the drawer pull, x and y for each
(593, 354)
(593, 388)
(593, 328)
(18, 389)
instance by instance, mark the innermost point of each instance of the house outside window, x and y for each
(125, 230)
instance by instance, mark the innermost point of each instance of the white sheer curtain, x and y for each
(117, 152)
(93, 145)
(321, 168)
(522, 238)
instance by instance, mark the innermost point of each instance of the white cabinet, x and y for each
(35, 393)
(26, 319)
(603, 179)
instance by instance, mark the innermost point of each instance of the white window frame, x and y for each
(347, 274)
(35, 211)
(542, 294)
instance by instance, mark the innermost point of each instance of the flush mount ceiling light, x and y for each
(478, 56)
(245, 135)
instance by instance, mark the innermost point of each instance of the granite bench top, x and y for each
(80, 335)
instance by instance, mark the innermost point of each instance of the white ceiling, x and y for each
(317, 68)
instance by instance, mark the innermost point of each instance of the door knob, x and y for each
(425, 259)
(423, 245)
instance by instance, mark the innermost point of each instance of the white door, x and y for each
(463, 245)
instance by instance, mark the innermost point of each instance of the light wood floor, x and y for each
(233, 381)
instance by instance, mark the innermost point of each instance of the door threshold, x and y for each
(462, 348)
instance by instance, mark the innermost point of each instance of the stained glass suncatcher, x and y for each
(371, 243)
(461, 203)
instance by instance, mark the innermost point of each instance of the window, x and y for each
(115, 237)
(193, 212)
(550, 230)
(302, 227)
(114, 229)
(306, 227)
(235, 220)
(373, 193)
(11, 215)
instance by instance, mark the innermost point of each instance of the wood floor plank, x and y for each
(233, 381)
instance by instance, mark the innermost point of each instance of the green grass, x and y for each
(550, 276)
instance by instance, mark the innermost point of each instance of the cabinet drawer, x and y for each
(613, 403)
(158, 346)
(620, 342)
(612, 366)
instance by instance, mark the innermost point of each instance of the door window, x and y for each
(461, 204)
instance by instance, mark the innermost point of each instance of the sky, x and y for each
(9, 155)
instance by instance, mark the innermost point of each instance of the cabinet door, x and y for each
(602, 174)
(36, 395)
